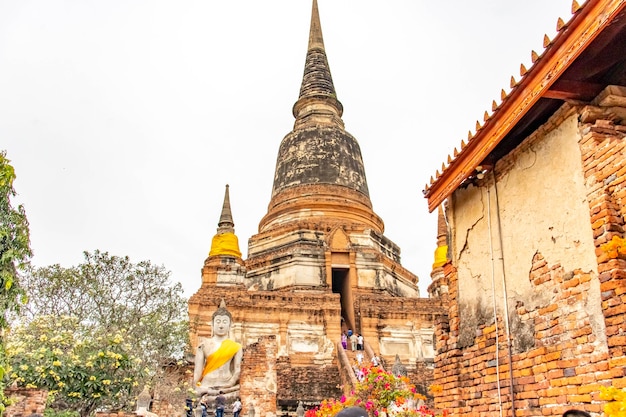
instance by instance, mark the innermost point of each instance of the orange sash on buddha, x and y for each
(223, 354)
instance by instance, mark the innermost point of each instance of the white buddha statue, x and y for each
(218, 359)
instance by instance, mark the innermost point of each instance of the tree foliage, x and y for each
(109, 295)
(14, 255)
(80, 371)
(112, 294)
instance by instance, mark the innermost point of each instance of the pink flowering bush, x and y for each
(380, 393)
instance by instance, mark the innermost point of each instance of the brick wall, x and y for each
(421, 375)
(26, 402)
(559, 352)
(258, 378)
(309, 384)
(603, 147)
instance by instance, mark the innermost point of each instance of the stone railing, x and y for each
(346, 373)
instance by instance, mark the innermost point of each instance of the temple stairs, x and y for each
(346, 359)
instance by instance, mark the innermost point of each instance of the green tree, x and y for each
(14, 255)
(110, 295)
(81, 372)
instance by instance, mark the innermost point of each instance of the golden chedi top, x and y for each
(225, 242)
(441, 253)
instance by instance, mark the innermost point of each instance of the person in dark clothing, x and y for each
(220, 403)
(576, 413)
(203, 407)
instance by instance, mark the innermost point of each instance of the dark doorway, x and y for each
(341, 286)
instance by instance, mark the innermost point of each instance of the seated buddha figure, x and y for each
(218, 359)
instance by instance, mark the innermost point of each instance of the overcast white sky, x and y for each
(124, 119)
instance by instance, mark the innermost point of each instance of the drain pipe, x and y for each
(493, 295)
(507, 326)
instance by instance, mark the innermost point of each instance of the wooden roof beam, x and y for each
(573, 90)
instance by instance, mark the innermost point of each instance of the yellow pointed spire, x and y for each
(441, 253)
(494, 106)
(575, 6)
(522, 70)
(560, 24)
(225, 242)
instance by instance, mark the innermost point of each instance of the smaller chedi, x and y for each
(218, 359)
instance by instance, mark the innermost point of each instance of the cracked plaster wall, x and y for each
(543, 208)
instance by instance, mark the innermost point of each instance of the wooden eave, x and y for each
(586, 24)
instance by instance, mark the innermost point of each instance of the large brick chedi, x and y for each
(320, 263)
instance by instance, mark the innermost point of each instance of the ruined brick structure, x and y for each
(536, 308)
(320, 264)
(26, 401)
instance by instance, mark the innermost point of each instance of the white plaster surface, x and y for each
(542, 208)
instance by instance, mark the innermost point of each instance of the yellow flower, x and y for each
(61, 384)
(436, 389)
(31, 386)
(56, 363)
(106, 382)
(101, 354)
(92, 378)
(24, 367)
(96, 395)
(43, 338)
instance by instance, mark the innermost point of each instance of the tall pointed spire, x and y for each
(317, 102)
(316, 41)
(226, 223)
(319, 170)
(225, 241)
